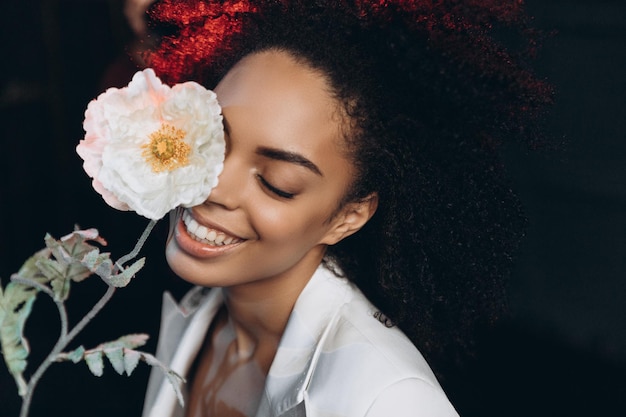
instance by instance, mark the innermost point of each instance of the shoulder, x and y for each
(412, 397)
(369, 369)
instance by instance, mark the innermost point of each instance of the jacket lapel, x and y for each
(184, 326)
(183, 329)
(311, 321)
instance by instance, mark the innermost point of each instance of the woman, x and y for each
(361, 165)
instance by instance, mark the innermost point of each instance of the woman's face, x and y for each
(275, 208)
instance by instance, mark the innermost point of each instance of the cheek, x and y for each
(289, 225)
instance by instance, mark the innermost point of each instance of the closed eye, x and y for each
(277, 191)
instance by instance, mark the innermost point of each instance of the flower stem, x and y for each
(65, 338)
(142, 240)
(63, 341)
(50, 293)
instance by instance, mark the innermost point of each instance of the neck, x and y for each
(258, 312)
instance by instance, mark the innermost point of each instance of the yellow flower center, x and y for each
(166, 150)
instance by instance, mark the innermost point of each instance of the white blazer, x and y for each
(335, 358)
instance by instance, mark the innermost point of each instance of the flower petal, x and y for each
(151, 148)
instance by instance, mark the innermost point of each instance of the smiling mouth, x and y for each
(207, 235)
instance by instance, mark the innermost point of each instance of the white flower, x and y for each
(150, 148)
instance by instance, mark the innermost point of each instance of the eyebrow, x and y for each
(292, 157)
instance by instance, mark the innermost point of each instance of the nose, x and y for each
(231, 185)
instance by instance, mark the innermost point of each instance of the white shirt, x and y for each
(335, 358)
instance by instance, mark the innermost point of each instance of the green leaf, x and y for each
(131, 360)
(92, 259)
(98, 263)
(174, 379)
(55, 274)
(124, 358)
(50, 268)
(76, 355)
(16, 303)
(116, 357)
(30, 270)
(129, 341)
(85, 234)
(123, 278)
(70, 250)
(73, 246)
(115, 351)
(94, 362)
(132, 341)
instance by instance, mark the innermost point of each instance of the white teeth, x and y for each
(204, 234)
(192, 225)
(201, 232)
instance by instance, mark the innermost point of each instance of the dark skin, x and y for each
(283, 222)
(228, 380)
(434, 90)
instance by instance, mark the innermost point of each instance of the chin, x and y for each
(179, 262)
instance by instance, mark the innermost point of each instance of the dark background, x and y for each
(563, 352)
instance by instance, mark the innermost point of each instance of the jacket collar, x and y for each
(310, 322)
(183, 329)
(184, 326)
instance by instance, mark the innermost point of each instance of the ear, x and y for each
(350, 219)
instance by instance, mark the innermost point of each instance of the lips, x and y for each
(206, 234)
(193, 238)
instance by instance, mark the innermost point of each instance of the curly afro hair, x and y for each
(431, 89)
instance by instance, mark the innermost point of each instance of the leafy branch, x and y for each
(51, 271)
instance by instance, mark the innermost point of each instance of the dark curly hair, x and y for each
(431, 89)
